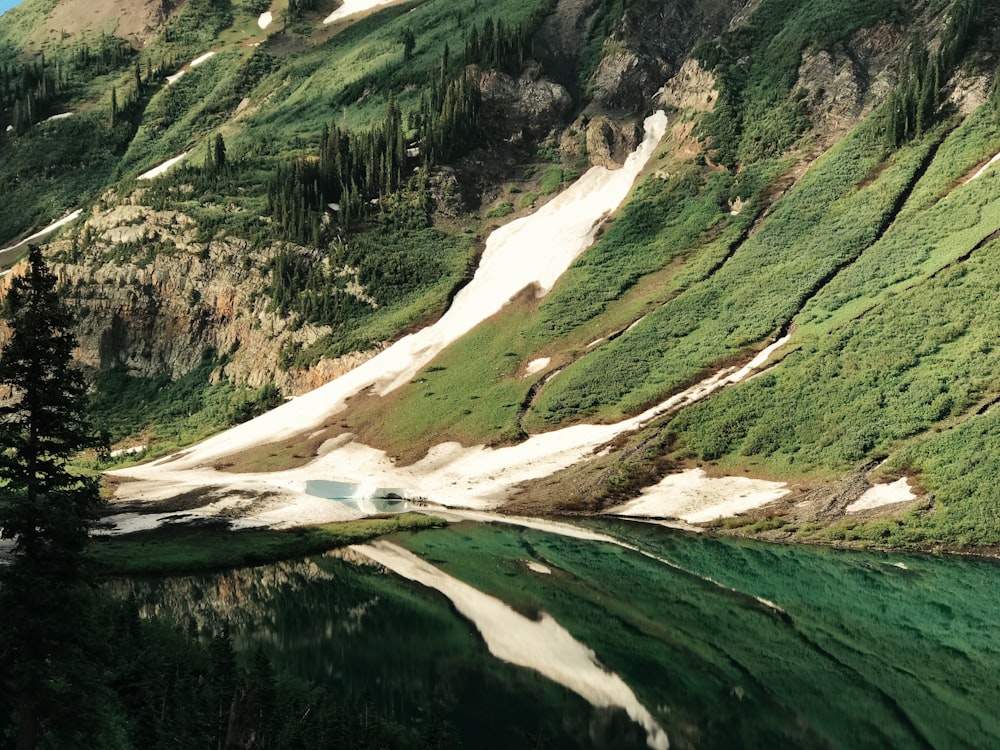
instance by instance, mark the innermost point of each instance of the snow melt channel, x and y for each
(534, 250)
(542, 645)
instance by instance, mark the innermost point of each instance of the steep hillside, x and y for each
(825, 175)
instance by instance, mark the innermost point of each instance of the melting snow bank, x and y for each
(450, 474)
(883, 494)
(696, 498)
(537, 365)
(193, 64)
(41, 233)
(985, 167)
(350, 7)
(265, 19)
(162, 168)
(542, 645)
(534, 250)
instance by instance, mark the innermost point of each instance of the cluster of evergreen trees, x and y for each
(914, 104)
(28, 91)
(358, 169)
(496, 46)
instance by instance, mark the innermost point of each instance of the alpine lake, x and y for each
(659, 638)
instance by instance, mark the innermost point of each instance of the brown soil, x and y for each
(137, 21)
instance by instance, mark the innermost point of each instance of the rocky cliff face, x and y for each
(152, 296)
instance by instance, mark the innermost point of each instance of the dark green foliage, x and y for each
(176, 412)
(48, 511)
(45, 508)
(913, 105)
(394, 263)
(176, 689)
(607, 13)
(757, 65)
(832, 215)
(197, 26)
(495, 46)
(358, 169)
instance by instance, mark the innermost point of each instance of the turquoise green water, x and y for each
(860, 652)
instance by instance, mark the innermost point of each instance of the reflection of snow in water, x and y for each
(542, 645)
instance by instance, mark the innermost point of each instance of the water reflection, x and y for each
(380, 639)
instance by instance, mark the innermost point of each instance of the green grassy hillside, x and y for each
(358, 160)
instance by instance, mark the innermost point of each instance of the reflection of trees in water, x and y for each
(376, 639)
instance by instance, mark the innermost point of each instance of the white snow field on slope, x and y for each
(265, 20)
(162, 168)
(7, 252)
(350, 7)
(450, 474)
(534, 250)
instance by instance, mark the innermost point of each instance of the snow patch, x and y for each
(985, 167)
(695, 497)
(193, 64)
(537, 365)
(199, 60)
(42, 232)
(542, 645)
(532, 251)
(537, 567)
(350, 7)
(162, 168)
(265, 20)
(61, 116)
(883, 494)
(127, 451)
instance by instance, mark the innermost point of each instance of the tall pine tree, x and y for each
(47, 511)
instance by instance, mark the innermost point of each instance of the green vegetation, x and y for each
(173, 413)
(894, 348)
(757, 65)
(48, 511)
(177, 550)
(861, 653)
(831, 216)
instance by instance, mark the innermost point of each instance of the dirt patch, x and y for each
(136, 21)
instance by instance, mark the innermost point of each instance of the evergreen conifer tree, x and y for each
(47, 511)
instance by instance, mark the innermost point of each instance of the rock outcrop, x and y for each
(525, 108)
(150, 295)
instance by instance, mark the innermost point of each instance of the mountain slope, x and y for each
(816, 180)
